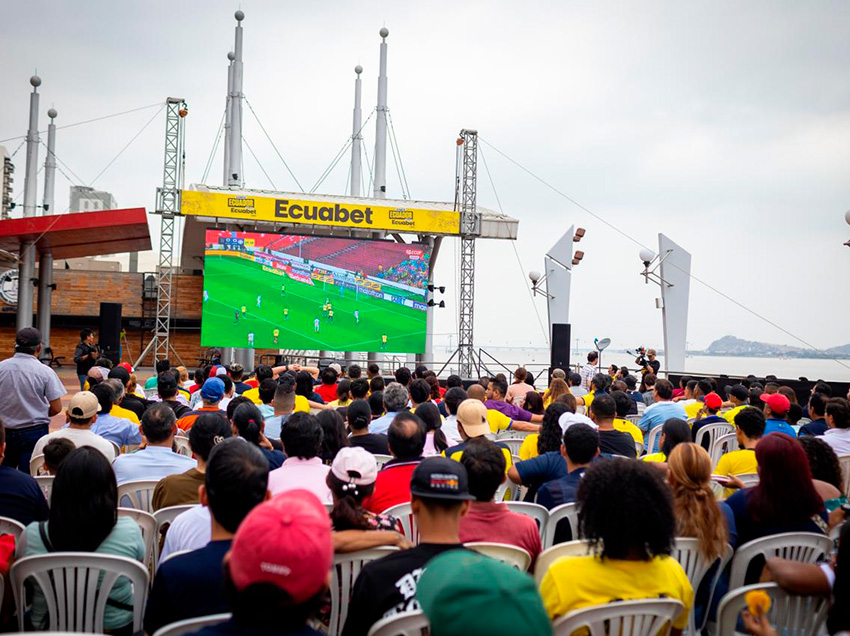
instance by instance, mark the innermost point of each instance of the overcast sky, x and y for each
(725, 125)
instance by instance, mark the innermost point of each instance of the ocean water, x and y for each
(535, 359)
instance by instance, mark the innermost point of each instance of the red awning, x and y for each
(80, 233)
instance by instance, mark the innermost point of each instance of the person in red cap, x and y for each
(708, 414)
(776, 408)
(278, 568)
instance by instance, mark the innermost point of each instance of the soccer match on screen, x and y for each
(283, 291)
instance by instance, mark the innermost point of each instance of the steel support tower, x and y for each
(168, 207)
(469, 229)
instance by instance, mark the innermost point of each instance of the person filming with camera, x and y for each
(646, 361)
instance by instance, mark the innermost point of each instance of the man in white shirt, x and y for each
(838, 419)
(395, 401)
(157, 459)
(82, 413)
(303, 468)
(590, 369)
(452, 399)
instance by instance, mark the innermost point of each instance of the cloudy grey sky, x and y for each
(725, 125)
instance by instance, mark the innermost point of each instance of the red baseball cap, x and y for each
(126, 365)
(713, 401)
(286, 542)
(777, 402)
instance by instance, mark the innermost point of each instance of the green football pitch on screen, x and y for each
(248, 303)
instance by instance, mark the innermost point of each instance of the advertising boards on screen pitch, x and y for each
(286, 291)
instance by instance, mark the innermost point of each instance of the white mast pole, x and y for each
(356, 136)
(380, 190)
(27, 252)
(45, 263)
(236, 108)
(227, 117)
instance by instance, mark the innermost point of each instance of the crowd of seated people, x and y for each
(279, 479)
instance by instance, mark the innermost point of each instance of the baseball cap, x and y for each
(28, 337)
(212, 390)
(220, 371)
(713, 401)
(440, 478)
(355, 465)
(777, 402)
(559, 373)
(464, 593)
(335, 366)
(739, 391)
(472, 416)
(166, 380)
(285, 541)
(83, 405)
(126, 365)
(120, 373)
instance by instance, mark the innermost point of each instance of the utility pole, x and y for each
(45, 263)
(227, 118)
(356, 151)
(380, 189)
(27, 250)
(469, 229)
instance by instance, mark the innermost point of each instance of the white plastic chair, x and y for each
(147, 525)
(45, 482)
(537, 512)
(513, 443)
(404, 624)
(805, 547)
(686, 552)
(504, 552)
(346, 569)
(191, 625)
(634, 419)
(182, 445)
(650, 617)
(722, 445)
(789, 614)
(137, 494)
(382, 459)
(115, 447)
(501, 436)
(652, 438)
(36, 462)
(550, 555)
(568, 511)
(150, 393)
(76, 586)
(712, 432)
(171, 555)
(11, 526)
(844, 460)
(749, 479)
(404, 514)
(163, 518)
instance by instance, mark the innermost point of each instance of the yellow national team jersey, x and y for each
(383, 338)
(498, 421)
(729, 415)
(457, 454)
(528, 450)
(117, 411)
(737, 462)
(625, 426)
(573, 583)
(693, 408)
(655, 457)
(587, 399)
(301, 404)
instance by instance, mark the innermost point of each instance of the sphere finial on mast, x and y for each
(35, 81)
(231, 55)
(358, 69)
(239, 15)
(52, 113)
(384, 32)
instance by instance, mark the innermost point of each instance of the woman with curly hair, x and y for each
(826, 471)
(626, 514)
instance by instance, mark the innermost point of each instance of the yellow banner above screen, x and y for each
(359, 214)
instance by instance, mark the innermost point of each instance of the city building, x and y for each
(6, 181)
(86, 199)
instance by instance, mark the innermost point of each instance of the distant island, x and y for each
(736, 347)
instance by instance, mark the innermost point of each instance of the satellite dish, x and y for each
(602, 344)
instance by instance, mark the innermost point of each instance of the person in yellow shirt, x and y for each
(119, 411)
(749, 429)
(739, 399)
(497, 420)
(631, 561)
(673, 433)
(598, 382)
(702, 389)
(549, 438)
(624, 403)
(556, 388)
(472, 423)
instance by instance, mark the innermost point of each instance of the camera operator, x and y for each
(646, 361)
(85, 355)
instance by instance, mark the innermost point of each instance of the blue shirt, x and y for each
(117, 429)
(778, 426)
(266, 410)
(153, 462)
(560, 491)
(381, 425)
(275, 457)
(815, 427)
(20, 497)
(274, 425)
(659, 413)
(27, 387)
(187, 586)
(538, 470)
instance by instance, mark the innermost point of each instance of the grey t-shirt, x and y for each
(26, 389)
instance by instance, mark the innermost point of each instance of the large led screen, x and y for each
(284, 291)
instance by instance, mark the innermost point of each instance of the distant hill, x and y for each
(732, 346)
